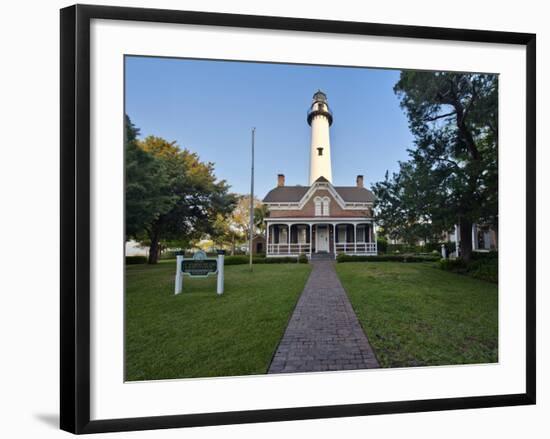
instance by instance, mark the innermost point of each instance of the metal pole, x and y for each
(251, 201)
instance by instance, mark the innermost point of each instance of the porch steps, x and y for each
(322, 256)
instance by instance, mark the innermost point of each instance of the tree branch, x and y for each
(441, 116)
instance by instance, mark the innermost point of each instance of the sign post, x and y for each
(221, 254)
(199, 266)
(179, 274)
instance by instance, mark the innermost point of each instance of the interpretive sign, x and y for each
(199, 266)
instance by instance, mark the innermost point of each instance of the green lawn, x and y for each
(417, 315)
(197, 333)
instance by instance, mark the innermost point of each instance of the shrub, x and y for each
(281, 260)
(243, 259)
(387, 258)
(132, 260)
(302, 259)
(477, 256)
(456, 265)
(382, 244)
(484, 268)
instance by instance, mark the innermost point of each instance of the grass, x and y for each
(417, 315)
(197, 333)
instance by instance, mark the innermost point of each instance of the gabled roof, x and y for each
(286, 194)
(355, 194)
(293, 194)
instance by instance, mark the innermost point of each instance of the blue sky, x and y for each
(210, 107)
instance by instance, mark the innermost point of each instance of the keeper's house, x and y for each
(320, 220)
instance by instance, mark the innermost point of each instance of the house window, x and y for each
(326, 210)
(318, 206)
(361, 233)
(342, 235)
(302, 235)
(319, 151)
(322, 206)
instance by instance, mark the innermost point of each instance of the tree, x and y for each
(240, 217)
(144, 180)
(224, 235)
(261, 212)
(236, 228)
(451, 176)
(186, 196)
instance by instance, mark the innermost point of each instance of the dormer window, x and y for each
(319, 151)
(322, 206)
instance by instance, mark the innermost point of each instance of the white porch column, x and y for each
(288, 225)
(374, 239)
(310, 239)
(267, 240)
(334, 238)
(354, 237)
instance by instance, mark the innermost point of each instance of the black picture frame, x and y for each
(75, 217)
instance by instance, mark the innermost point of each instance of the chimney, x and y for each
(359, 181)
(280, 180)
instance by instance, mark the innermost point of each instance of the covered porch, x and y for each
(292, 238)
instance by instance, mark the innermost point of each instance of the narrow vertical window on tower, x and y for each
(319, 151)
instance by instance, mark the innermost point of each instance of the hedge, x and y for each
(429, 247)
(132, 260)
(481, 267)
(241, 260)
(387, 258)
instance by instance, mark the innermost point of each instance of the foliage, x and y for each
(483, 266)
(395, 258)
(451, 176)
(234, 229)
(184, 196)
(133, 260)
(197, 333)
(144, 180)
(415, 315)
(243, 260)
(382, 244)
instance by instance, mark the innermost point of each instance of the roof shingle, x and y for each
(293, 194)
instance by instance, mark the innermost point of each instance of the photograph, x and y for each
(288, 218)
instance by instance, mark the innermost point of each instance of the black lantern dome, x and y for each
(318, 107)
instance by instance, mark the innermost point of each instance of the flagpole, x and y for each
(251, 201)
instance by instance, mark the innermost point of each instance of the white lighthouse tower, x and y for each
(319, 117)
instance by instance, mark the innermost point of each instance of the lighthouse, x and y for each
(319, 117)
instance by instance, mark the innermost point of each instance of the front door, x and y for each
(322, 239)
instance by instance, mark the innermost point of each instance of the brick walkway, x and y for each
(323, 332)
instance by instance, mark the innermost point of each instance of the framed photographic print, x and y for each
(268, 218)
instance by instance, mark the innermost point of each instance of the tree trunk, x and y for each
(466, 239)
(233, 245)
(154, 249)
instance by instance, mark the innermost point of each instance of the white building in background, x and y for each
(484, 238)
(133, 248)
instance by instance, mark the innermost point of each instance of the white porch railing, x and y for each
(356, 248)
(288, 249)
